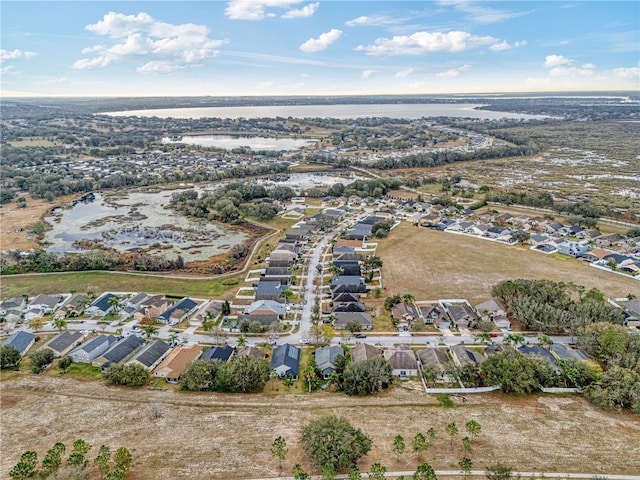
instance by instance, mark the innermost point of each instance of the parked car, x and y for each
(135, 329)
(361, 335)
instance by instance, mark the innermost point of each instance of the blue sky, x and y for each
(293, 47)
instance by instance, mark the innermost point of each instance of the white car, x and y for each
(135, 329)
(305, 341)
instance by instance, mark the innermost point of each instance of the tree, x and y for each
(36, 324)
(226, 308)
(483, 337)
(452, 430)
(431, 435)
(26, 467)
(378, 471)
(371, 263)
(279, 450)
(498, 471)
(315, 332)
(115, 304)
(78, 456)
(102, 460)
(299, 473)
(250, 374)
(424, 472)
(288, 294)
(41, 358)
(150, 330)
(367, 377)
(466, 465)
(516, 373)
(398, 446)
(60, 323)
(207, 325)
(53, 459)
(131, 374)
(514, 339)
(545, 341)
(327, 472)
(354, 473)
(309, 373)
(419, 444)
(9, 357)
(122, 459)
(353, 326)
(473, 428)
(241, 341)
(408, 298)
(466, 446)
(333, 440)
(328, 333)
(198, 375)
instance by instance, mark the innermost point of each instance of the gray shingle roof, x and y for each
(151, 353)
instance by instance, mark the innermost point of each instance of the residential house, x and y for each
(221, 354)
(403, 314)
(351, 270)
(285, 360)
(326, 357)
(554, 228)
(619, 260)
(264, 311)
(431, 314)
(403, 361)
(493, 311)
(92, 349)
(496, 232)
(346, 298)
(277, 274)
(462, 355)
(360, 231)
(11, 309)
(100, 306)
(348, 306)
(64, 342)
(594, 255)
(21, 340)
(563, 352)
(208, 310)
(41, 305)
(174, 364)
(343, 242)
(362, 352)
(434, 357)
(152, 307)
(462, 315)
(341, 319)
(250, 351)
(118, 352)
(178, 311)
(348, 284)
(538, 351)
(610, 240)
(133, 304)
(479, 229)
(73, 307)
(282, 257)
(151, 354)
(538, 239)
(575, 249)
(590, 234)
(266, 290)
(632, 308)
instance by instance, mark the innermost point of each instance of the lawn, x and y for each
(437, 265)
(98, 282)
(536, 433)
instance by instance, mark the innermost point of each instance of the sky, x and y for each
(300, 47)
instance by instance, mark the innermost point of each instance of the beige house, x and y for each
(172, 367)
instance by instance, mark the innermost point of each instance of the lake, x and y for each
(340, 111)
(229, 142)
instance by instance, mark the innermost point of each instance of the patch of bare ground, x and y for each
(433, 265)
(14, 221)
(228, 436)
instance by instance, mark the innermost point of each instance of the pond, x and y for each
(137, 221)
(229, 142)
(303, 181)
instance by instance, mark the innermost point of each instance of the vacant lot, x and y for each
(432, 265)
(228, 436)
(14, 220)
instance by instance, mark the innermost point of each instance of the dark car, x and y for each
(361, 335)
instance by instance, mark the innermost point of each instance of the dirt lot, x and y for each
(13, 219)
(435, 265)
(228, 436)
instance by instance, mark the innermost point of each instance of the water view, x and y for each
(303, 181)
(136, 221)
(229, 142)
(410, 111)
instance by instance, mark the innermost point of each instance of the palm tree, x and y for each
(309, 373)
(545, 341)
(150, 330)
(288, 293)
(36, 324)
(408, 298)
(242, 341)
(173, 338)
(60, 323)
(207, 325)
(514, 339)
(115, 304)
(119, 332)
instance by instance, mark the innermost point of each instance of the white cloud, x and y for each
(632, 72)
(322, 42)
(8, 70)
(173, 46)
(306, 11)
(368, 73)
(372, 21)
(254, 9)
(454, 72)
(569, 71)
(480, 14)
(589, 66)
(16, 54)
(552, 61)
(404, 73)
(504, 45)
(421, 43)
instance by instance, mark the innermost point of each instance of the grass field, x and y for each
(228, 436)
(436, 265)
(99, 282)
